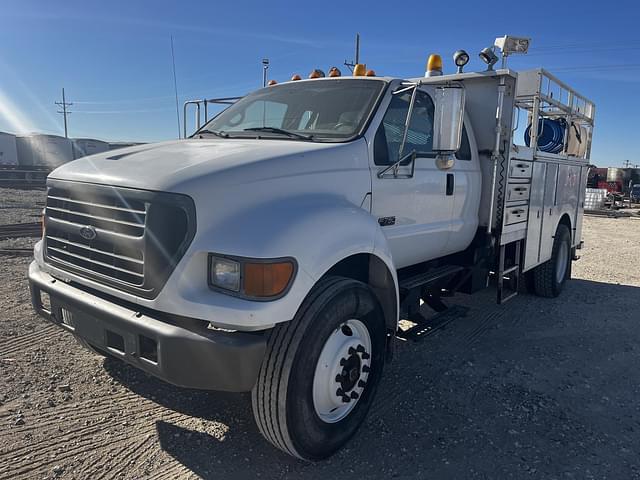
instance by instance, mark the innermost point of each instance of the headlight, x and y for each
(261, 279)
(224, 273)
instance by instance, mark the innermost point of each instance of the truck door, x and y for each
(416, 212)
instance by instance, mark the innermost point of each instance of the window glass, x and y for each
(324, 109)
(420, 134)
(465, 147)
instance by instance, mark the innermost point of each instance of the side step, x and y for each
(430, 277)
(508, 278)
(423, 326)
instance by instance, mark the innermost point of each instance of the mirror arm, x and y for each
(412, 154)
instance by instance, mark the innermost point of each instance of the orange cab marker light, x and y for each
(359, 70)
(335, 72)
(271, 82)
(267, 279)
(296, 77)
(370, 73)
(316, 73)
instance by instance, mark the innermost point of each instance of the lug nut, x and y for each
(362, 383)
(338, 378)
(346, 399)
(351, 351)
(354, 395)
(360, 349)
(339, 393)
(366, 369)
(365, 356)
(342, 362)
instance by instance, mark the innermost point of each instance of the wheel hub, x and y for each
(342, 371)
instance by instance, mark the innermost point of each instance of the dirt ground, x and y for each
(536, 388)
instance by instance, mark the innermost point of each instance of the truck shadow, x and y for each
(506, 390)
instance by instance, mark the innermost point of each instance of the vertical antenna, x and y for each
(64, 104)
(175, 85)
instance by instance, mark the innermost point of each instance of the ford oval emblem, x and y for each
(88, 232)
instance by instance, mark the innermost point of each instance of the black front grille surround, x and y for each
(126, 238)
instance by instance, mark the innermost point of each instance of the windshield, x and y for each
(319, 110)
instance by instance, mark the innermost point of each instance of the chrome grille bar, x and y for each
(118, 224)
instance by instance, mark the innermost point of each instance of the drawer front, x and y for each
(520, 169)
(518, 191)
(516, 214)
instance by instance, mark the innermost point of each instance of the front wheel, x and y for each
(550, 277)
(321, 370)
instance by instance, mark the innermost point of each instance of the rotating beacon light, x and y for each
(434, 66)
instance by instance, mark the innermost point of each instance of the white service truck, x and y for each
(275, 250)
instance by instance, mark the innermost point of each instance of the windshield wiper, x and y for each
(279, 130)
(217, 133)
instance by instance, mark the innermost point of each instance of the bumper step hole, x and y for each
(148, 349)
(115, 341)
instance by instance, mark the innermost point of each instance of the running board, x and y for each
(424, 326)
(428, 278)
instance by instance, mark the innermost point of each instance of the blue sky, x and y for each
(114, 58)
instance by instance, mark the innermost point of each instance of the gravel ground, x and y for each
(537, 388)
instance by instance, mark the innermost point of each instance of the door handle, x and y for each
(450, 183)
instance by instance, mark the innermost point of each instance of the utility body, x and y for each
(276, 249)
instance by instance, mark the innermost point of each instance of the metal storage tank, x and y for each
(615, 174)
(88, 146)
(43, 150)
(8, 149)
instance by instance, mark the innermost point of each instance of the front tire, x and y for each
(550, 277)
(321, 370)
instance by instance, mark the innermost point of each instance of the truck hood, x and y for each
(168, 165)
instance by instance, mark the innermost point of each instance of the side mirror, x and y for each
(447, 126)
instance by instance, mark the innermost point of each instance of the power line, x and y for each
(64, 104)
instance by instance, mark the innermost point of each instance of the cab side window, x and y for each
(389, 135)
(465, 147)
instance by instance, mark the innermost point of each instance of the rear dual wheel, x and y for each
(550, 277)
(321, 370)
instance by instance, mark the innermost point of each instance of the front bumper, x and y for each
(179, 350)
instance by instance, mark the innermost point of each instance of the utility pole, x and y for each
(64, 104)
(265, 67)
(350, 65)
(627, 163)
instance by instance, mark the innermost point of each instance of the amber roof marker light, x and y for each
(359, 70)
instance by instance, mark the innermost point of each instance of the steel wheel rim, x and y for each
(342, 371)
(563, 260)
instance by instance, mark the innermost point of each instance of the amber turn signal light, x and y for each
(267, 279)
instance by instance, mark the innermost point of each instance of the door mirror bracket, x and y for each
(411, 156)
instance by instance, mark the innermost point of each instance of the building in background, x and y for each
(88, 146)
(8, 149)
(43, 150)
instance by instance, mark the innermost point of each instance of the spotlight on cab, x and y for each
(488, 56)
(460, 58)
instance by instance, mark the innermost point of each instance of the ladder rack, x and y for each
(543, 95)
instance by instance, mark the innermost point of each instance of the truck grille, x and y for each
(131, 239)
